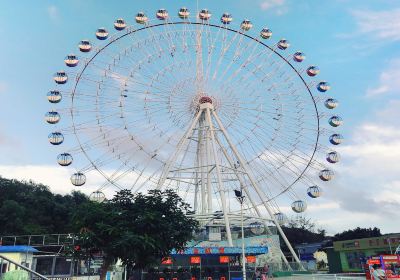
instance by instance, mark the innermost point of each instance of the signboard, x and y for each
(251, 259)
(223, 259)
(195, 260)
(167, 260)
(217, 250)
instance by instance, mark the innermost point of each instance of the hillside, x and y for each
(30, 208)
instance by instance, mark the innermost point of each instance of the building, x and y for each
(349, 255)
(307, 252)
(19, 254)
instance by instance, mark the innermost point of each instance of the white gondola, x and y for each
(314, 191)
(280, 218)
(97, 196)
(120, 24)
(183, 13)
(71, 60)
(52, 117)
(54, 96)
(56, 138)
(336, 139)
(312, 71)
(226, 18)
(78, 179)
(323, 86)
(299, 206)
(60, 77)
(64, 159)
(299, 56)
(141, 18)
(335, 121)
(333, 157)
(326, 175)
(283, 44)
(266, 33)
(85, 46)
(331, 103)
(162, 14)
(101, 33)
(204, 14)
(246, 25)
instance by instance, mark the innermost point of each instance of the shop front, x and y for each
(208, 263)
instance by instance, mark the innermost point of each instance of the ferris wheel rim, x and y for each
(202, 23)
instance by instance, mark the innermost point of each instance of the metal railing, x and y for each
(20, 272)
(38, 240)
(354, 276)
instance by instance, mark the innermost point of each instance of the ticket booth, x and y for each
(389, 263)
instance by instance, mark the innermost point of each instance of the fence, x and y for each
(355, 276)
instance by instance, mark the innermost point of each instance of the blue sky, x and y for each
(355, 43)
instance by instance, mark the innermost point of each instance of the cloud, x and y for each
(389, 81)
(379, 24)
(52, 11)
(368, 182)
(55, 177)
(277, 5)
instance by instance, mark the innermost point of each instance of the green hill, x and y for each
(30, 208)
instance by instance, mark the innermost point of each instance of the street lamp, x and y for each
(240, 197)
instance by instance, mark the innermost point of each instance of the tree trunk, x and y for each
(104, 268)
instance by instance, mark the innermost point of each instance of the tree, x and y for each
(30, 208)
(138, 229)
(357, 233)
(301, 230)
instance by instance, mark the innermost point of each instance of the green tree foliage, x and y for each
(302, 230)
(30, 208)
(357, 233)
(138, 229)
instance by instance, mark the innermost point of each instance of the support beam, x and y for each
(218, 172)
(257, 189)
(244, 187)
(209, 164)
(177, 151)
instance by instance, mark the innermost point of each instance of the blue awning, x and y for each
(17, 249)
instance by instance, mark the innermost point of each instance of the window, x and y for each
(354, 259)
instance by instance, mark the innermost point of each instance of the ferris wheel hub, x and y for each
(205, 99)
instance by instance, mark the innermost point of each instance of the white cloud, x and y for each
(55, 177)
(277, 5)
(52, 11)
(379, 24)
(389, 81)
(368, 184)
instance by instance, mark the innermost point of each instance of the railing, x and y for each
(354, 276)
(20, 271)
(38, 240)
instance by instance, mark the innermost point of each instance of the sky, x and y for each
(355, 43)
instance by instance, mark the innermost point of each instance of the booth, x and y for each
(389, 263)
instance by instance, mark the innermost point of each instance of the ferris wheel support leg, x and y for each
(201, 165)
(178, 150)
(208, 163)
(257, 189)
(218, 171)
(244, 187)
(196, 188)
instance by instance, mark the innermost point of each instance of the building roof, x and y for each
(17, 249)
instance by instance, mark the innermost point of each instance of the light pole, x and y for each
(240, 197)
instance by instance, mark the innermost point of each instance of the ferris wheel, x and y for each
(201, 106)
